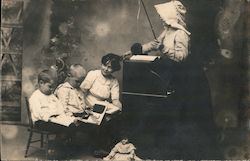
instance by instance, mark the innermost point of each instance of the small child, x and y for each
(44, 105)
(123, 151)
(69, 92)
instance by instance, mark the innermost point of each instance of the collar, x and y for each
(67, 85)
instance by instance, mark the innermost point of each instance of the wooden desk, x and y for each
(139, 78)
(143, 96)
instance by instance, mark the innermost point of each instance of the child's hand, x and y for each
(89, 111)
(156, 44)
(87, 108)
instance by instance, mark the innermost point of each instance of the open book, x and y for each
(63, 120)
(147, 58)
(97, 115)
(110, 107)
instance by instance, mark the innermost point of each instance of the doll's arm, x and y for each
(111, 154)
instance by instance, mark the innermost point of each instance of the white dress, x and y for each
(123, 152)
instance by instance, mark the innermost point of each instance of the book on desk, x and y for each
(144, 58)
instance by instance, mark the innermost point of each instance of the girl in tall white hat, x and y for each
(172, 44)
(174, 40)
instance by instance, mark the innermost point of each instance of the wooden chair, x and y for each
(43, 141)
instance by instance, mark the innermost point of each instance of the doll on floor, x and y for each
(123, 151)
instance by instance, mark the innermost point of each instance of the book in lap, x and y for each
(63, 120)
(111, 109)
(97, 115)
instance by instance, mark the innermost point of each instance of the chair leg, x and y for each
(41, 140)
(28, 144)
(47, 146)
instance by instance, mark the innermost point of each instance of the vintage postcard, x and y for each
(125, 80)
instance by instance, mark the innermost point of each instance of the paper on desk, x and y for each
(63, 120)
(148, 58)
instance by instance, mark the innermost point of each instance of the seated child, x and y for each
(44, 105)
(123, 151)
(69, 92)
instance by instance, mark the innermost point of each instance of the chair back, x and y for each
(29, 113)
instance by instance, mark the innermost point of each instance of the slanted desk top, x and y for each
(140, 79)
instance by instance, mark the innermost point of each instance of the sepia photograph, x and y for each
(125, 80)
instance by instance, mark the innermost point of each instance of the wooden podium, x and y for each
(140, 79)
(145, 101)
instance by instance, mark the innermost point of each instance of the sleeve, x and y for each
(115, 94)
(113, 152)
(131, 147)
(45, 114)
(60, 109)
(63, 96)
(116, 148)
(181, 46)
(35, 108)
(88, 81)
(38, 112)
(153, 45)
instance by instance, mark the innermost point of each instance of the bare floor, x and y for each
(186, 142)
(14, 140)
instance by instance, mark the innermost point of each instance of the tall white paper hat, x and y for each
(173, 14)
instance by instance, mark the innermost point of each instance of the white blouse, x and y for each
(175, 44)
(99, 88)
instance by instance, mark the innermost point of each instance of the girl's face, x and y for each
(106, 69)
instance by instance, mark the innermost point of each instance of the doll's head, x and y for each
(124, 140)
(124, 137)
